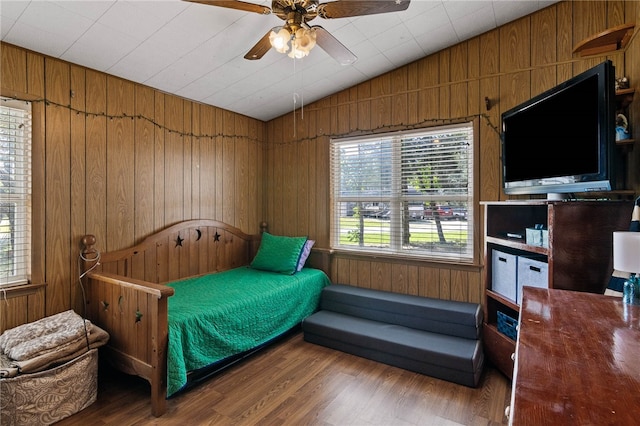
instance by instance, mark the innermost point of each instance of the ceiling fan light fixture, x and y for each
(303, 41)
(305, 38)
(280, 40)
(297, 54)
(297, 14)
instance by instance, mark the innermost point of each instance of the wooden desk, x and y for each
(577, 360)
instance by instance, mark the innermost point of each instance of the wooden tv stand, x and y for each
(578, 256)
(577, 360)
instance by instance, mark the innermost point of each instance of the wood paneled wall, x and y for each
(121, 160)
(508, 66)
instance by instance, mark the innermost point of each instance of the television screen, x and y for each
(561, 141)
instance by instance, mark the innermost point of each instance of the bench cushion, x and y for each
(448, 317)
(451, 358)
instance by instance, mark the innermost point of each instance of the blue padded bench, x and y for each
(438, 338)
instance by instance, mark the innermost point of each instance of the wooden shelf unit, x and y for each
(579, 255)
(606, 41)
(624, 97)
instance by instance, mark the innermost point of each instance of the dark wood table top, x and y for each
(577, 360)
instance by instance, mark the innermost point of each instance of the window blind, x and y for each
(408, 193)
(15, 192)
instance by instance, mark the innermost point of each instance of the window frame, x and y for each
(399, 221)
(23, 199)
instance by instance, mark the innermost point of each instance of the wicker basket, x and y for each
(49, 396)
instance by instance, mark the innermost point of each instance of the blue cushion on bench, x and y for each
(454, 318)
(438, 338)
(438, 355)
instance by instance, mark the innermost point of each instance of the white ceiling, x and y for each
(196, 51)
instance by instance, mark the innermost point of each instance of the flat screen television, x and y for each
(562, 141)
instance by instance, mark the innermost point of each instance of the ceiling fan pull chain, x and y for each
(295, 100)
(302, 96)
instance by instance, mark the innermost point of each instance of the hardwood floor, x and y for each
(298, 383)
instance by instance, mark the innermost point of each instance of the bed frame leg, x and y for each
(158, 400)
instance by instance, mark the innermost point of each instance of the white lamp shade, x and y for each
(626, 251)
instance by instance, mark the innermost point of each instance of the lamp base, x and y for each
(631, 290)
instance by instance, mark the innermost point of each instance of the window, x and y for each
(15, 192)
(406, 193)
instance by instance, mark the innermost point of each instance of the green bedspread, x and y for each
(219, 315)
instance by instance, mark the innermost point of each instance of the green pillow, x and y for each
(278, 254)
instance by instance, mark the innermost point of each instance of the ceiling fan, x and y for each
(296, 37)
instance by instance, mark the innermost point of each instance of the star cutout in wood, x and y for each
(179, 241)
(216, 237)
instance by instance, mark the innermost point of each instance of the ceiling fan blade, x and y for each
(260, 48)
(235, 4)
(333, 47)
(347, 8)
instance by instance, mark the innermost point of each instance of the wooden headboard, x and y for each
(182, 250)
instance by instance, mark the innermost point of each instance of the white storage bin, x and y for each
(533, 273)
(504, 274)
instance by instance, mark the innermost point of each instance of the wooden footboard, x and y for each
(134, 313)
(126, 297)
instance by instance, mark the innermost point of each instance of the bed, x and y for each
(194, 298)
